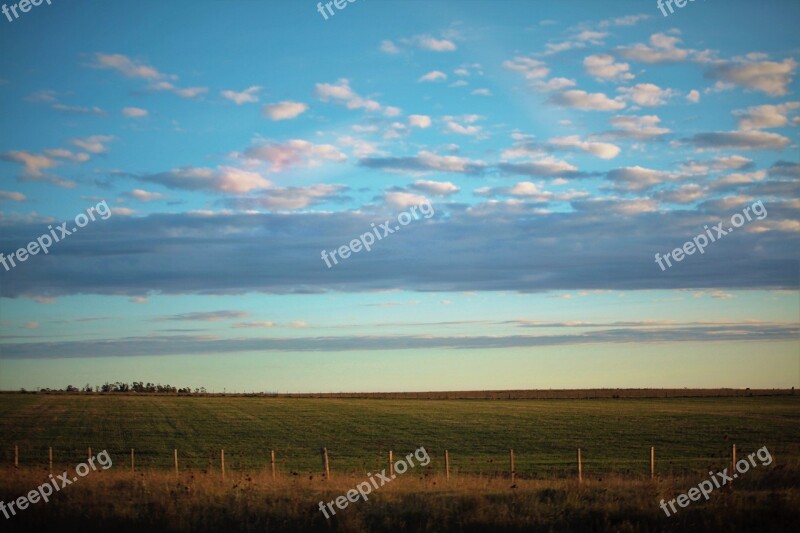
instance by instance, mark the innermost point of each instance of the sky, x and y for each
(209, 176)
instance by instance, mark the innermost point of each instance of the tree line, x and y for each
(136, 386)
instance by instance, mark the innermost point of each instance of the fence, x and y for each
(443, 467)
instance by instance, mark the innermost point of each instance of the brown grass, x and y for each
(765, 499)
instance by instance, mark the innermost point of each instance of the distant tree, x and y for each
(70, 388)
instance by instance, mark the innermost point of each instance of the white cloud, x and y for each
(663, 50)
(686, 194)
(435, 75)
(637, 178)
(427, 42)
(389, 47)
(598, 149)
(586, 101)
(6, 196)
(462, 125)
(144, 196)
(96, 144)
(134, 112)
(284, 110)
(359, 147)
(402, 200)
(647, 94)
(293, 153)
(628, 20)
(528, 67)
(730, 163)
(248, 96)
(419, 121)
(126, 66)
(298, 198)
(553, 84)
(744, 140)
(602, 66)
(765, 116)
(545, 167)
(435, 188)
(191, 92)
(637, 127)
(482, 92)
(341, 93)
(693, 96)
(769, 77)
(739, 178)
(223, 179)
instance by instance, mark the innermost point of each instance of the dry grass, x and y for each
(766, 499)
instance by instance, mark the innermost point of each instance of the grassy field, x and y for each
(615, 435)
(691, 436)
(115, 501)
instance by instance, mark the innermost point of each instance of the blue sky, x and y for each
(560, 145)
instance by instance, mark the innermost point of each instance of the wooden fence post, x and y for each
(16, 456)
(513, 470)
(652, 462)
(50, 458)
(733, 463)
(175, 458)
(391, 464)
(132, 463)
(580, 467)
(222, 462)
(447, 464)
(325, 463)
(272, 454)
(90, 453)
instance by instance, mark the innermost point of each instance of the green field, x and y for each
(690, 435)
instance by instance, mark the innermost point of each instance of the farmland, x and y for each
(615, 435)
(690, 435)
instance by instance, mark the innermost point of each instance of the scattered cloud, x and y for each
(586, 101)
(134, 112)
(247, 96)
(284, 110)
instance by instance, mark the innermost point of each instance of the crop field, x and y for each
(691, 436)
(614, 435)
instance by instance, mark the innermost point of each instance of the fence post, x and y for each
(132, 464)
(175, 458)
(733, 462)
(580, 467)
(222, 462)
(90, 453)
(513, 470)
(447, 464)
(272, 454)
(652, 462)
(50, 458)
(325, 463)
(16, 456)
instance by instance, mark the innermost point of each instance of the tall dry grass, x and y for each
(765, 499)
